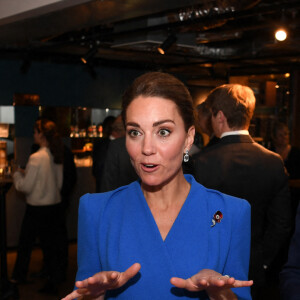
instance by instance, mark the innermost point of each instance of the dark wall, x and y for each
(60, 85)
(65, 85)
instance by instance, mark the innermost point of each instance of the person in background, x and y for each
(100, 150)
(68, 185)
(291, 158)
(118, 129)
(238, 166)
(203, 113)
(69, 181)
(41, 183)
(290, 274)
(117, 170)
(117, 167)
(135, 242)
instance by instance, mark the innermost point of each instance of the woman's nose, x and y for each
(148, 146)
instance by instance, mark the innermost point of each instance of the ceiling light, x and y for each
(89, 55)
(280, 35)
(287, 75)
(167, 44)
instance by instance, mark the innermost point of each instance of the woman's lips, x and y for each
(149, 167)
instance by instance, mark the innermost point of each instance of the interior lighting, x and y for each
(287, 75)
(163, 48)
(90, 54)
(280, 35)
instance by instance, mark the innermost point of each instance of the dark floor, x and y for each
(30, 291)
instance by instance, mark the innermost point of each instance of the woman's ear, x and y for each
(190, 137)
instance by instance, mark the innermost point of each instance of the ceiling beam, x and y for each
(16, 10)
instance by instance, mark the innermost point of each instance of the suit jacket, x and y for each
(118, 170)
(238, 166)
(290, 275)
(99, 157)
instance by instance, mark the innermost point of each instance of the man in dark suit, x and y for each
(118, 170)
(238, 166)
(102, 153)
(290, 275)
(100, 149)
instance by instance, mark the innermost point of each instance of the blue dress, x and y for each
(117, 229)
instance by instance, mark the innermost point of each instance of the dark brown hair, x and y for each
(48, 129)
(237, 102)
(158, 84)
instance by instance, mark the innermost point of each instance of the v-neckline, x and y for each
(151, 217)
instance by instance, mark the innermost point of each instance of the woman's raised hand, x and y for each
(215, 284)
(95, 287)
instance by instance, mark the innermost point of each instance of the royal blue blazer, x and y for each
(117, 229)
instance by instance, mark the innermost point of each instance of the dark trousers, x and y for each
(62, 247)
(40, 222)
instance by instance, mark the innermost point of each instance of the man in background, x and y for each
(113, 128)
(118, 170)
(100, 149)
(238, 166)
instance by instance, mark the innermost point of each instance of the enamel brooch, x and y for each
(216, 218)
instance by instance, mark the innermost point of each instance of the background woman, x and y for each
(165, 236)
(291, 158)
(41, 182)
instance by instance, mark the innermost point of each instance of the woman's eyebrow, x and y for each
(162, 122)
(132, 124)
(154, 124)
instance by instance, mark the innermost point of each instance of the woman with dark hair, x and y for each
(164, 236)
(41, 182)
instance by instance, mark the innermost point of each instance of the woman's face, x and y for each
(37, 137)
(156, 139)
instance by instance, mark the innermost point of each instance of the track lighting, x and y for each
(89, 55)
(167, 44)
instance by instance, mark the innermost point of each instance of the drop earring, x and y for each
(186, 156)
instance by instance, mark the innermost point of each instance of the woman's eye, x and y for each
(164, 132)
(134, 133)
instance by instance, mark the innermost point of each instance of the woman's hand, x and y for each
(94, 287)
(215, 284)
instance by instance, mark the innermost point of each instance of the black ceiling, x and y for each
(213, 38)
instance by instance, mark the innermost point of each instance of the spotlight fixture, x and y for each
(171, 39)
(89, 55)
(280, 35)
